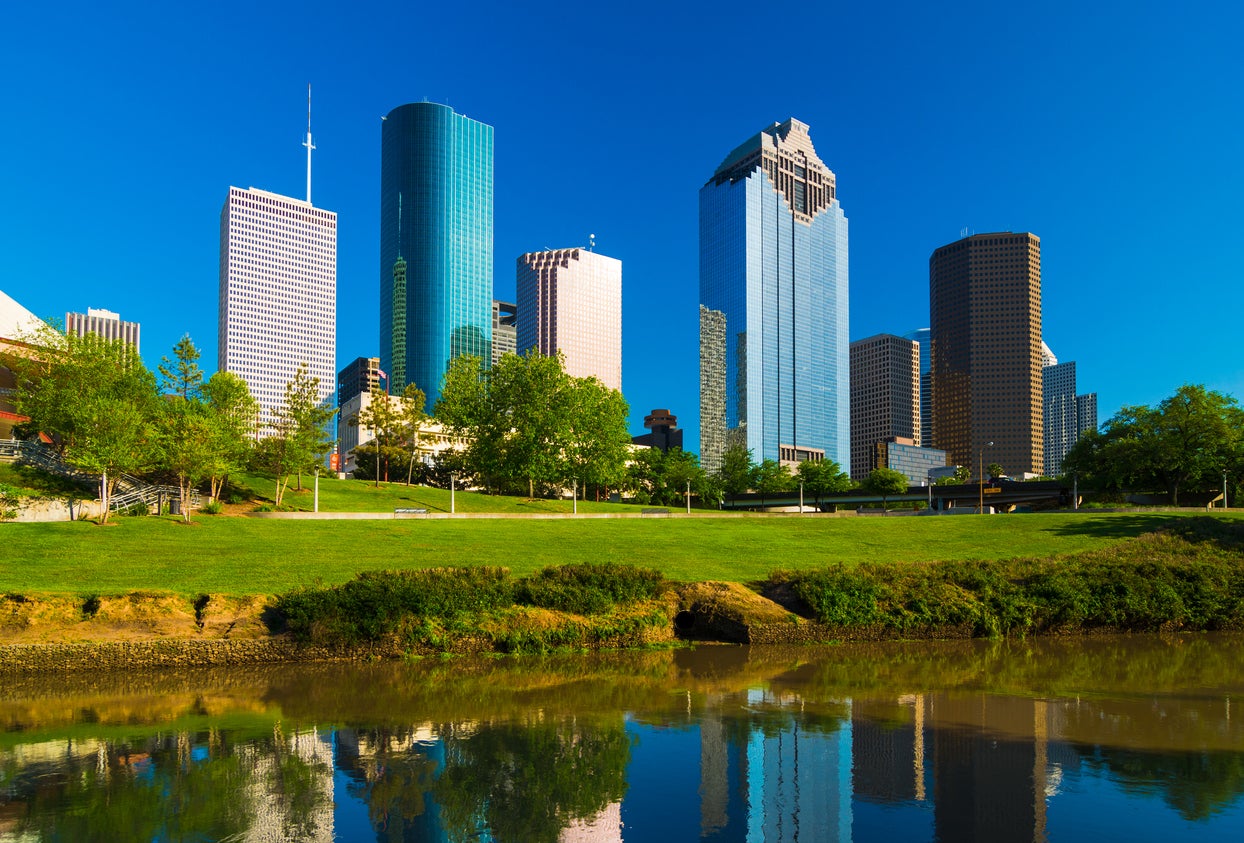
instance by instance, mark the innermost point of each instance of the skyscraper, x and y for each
(571, 301)
(504, 329)
(773, 298)
(1067, 415)
(885, 396)
(278, 294)
(436, 243)
(985, 304)
(923, 336)
(103, 323)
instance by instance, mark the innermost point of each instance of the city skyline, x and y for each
(946, 119)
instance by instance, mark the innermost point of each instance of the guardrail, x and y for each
(130, 491)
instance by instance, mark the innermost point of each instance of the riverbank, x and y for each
(1186, 576)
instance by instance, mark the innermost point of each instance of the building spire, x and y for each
(307, 143)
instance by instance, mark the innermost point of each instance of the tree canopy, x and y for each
(1185, 443)
(528, 423)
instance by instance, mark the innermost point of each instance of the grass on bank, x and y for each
(243, 556)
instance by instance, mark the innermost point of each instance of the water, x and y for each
(1129, 739)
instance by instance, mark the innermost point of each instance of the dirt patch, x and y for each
(139, 616)
(724, 611)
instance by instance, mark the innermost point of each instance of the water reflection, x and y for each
(1049, 740)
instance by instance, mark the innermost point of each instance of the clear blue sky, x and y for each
(1112, 131)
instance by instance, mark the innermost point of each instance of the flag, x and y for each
(382, 374)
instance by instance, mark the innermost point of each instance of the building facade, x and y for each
(924, 337)
(885, 397)
(922, 466)
(103, 323)
(1067, 415)
(773, 281)
(360, 375)
(504, 329)
(436, 243)
(985, 309)
(663, 431)
(571, 301)
(278, 294)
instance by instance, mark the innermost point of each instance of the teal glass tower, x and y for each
(774, 349)
(436, 243)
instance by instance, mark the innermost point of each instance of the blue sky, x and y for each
(1113, 131)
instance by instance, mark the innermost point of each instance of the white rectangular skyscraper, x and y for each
(278, 293)
(103, 323)
(570, 300)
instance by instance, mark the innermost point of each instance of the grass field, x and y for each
(252, 556)
(361, 496)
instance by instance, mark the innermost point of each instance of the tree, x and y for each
(821, 478)
(659, 477)
(412, 419)
(735, 473)
(886, 482)
(97, 401)
(770, 478)
(1186, 442)
(994, 469)
(183, 426)
(527, 420)
(298, 440)
(382, 418)
(182, 376)
(232, 415)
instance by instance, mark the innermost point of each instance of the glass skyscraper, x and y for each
(436, 243)
(773, 304)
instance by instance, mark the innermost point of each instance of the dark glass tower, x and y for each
(773, 304)
(436, 243)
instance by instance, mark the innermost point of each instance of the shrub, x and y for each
(588, 589)
(214, 507)
(377, 604)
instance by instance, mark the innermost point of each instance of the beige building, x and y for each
(570, 300)
(885, 396)
(985, 305)
(433, 438)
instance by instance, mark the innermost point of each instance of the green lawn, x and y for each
(362, 496)
(253, 556)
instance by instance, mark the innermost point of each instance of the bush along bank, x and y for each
(1188, 577)
(484, 609)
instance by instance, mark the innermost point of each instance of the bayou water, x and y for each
(1130, 738)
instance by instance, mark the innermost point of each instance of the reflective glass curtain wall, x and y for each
(436, 241)
(779, 279)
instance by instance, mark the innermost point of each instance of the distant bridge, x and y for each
(1001, 495)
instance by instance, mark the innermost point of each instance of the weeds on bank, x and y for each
(1189, 576)
(448, 608)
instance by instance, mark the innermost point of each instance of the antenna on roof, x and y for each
(963, 232)
(591, 242)
(307, 143)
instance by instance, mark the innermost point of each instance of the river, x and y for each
(1128, 738)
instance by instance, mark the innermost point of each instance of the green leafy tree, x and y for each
(821, 478)
(298, 440)
(186, 445)
(994, 469)
(182, 375)
(412, 419)
(232, 415)
(886, 482)
(1183, 443)
(770, 478)
(735, 473)
(597, 439)
(96, 399)
(528, 422)
(383, 418)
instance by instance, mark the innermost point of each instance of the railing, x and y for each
(129, 491)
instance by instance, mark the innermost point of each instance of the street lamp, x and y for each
(453, 481)
(981, 478)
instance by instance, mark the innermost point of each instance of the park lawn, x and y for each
(240, 556)
(363, 496)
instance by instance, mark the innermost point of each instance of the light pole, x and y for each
(574, 496)
(1224, 488)
(453, 481)
(688, 497)
(980, 478)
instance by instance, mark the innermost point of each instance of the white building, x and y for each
(570, 300)
(102, 323)
(278, 294)
(433, 438)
